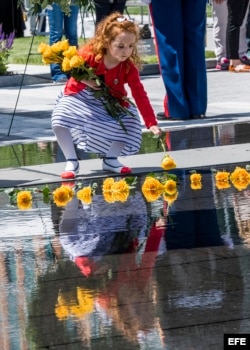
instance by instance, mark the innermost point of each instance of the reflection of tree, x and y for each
(111, 243)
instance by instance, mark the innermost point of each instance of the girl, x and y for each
(80, 118)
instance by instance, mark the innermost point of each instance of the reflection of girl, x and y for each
(89, 234)
(102, 228)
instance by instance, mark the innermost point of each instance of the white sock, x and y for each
(65, 142)
(114, 151)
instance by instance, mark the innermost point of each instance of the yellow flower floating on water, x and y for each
(62, 195)
(170, 187)
(24, 200)
(152, 189)
(168, 163)
(120, 191)
(115, 190)
(195, 181)
(222, 180)
(85, 195)
(170, 198)
(240, 178)
(107, 189)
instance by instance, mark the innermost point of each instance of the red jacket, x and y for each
(125, 72)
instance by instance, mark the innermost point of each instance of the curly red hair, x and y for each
(108, 29)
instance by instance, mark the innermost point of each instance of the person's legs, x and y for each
(248, 33)
(110, 161)
(65, 142)
(168, 29)
(195, 77)
(219, 29)
(55, 17)
(236, 12)
(243, 39)
(70, 25)
(119, 5)
(102, 9)
(219, 34)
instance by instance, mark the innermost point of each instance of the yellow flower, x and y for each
(49, 57)
(42, 47)
(72, 51)
(195, 177)
(107, 190)
(170, 187)
(24, 200)
(108, 196)
(85, 300)
(222, 176)
(108, 184)
(66, 64)
(195, 180)
(170, 198)
(62, 312)
(76, 61)
(240, 178)
(63, 195)
(85, 195)
(241, 185)
(152, 189)
(120, 191)
(196, 185)
(222, 185)
(168, 163)
(60, 46)
(240, 174)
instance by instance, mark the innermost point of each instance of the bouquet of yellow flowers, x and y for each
(71, 62)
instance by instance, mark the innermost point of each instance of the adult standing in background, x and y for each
(236, 13)
(104, 8)
(180, 28)
(11, 16)
(61, 24)
(220, 16)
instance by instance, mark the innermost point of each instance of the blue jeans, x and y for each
(60, 24)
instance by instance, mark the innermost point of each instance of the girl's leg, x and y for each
(110, 161)
(65, 142)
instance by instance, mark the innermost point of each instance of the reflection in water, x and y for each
(113, 248)
(49, 152)
(194, 216)
(113, 276)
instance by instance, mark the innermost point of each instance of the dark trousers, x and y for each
(248, 30)
(179, 27)
(104, 8)
(236, 13)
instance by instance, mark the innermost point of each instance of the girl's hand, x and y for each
(155, 129)
(91, 83)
